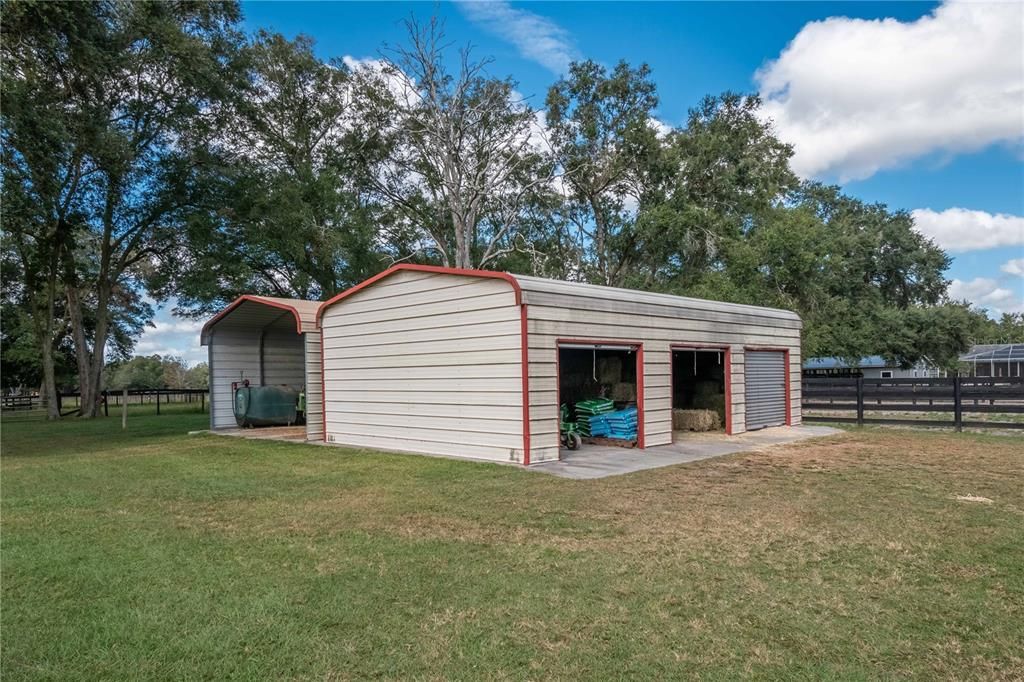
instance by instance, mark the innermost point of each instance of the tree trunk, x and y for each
(86, 388)
(43, 320)
(463, 257)
(49, 381)
(600, 239)
(91, 361)
(99, 343)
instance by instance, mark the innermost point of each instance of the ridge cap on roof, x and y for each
(657, 294)
(517, 280)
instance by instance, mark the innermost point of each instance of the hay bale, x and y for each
(623, 393)
(609, 370)
(707, 395)
(695, 420)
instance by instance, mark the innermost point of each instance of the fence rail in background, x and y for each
(71, 401)
(880, 401)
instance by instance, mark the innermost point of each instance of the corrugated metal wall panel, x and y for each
(314, 389)
(603, 325)
(415, 315)
(766, 376)
(427, 363)
(234, 353)
(283, 359)
(737, 389)
(211, 368)
(731, 326)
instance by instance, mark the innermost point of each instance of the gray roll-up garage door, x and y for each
(765, 388)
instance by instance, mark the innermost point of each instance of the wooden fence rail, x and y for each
(70, 401)
(880, 401)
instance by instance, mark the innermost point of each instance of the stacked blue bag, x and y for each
(621, 424)
(599, 426)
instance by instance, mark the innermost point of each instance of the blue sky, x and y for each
(916, 105)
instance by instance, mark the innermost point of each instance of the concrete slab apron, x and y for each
(285, 433)
(598, 461)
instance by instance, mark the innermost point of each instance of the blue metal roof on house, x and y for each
(838, 363)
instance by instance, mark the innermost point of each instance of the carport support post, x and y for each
(860, 401)
(158, 401)
(958, 404)
(202, 402)
(124, 409)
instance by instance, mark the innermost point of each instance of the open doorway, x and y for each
(600, 386)
(700, 392)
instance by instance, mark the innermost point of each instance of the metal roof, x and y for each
(1005, 352)
(557, 293)
(263, 311)
(537, 289)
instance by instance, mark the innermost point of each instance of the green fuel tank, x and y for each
(265, 406)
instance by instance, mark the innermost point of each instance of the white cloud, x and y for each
(174, 326)
(661, 129)
(988, 293)
(401, 87)
(537, 38)
(171, 335)
(146, 347)
(1013, 267)
(960, 229)
(855, 96)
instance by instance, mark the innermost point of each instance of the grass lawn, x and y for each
(153, 554)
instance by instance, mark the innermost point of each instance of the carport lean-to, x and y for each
(266, 341)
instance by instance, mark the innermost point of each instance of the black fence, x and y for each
(959, 402)
(71, 401)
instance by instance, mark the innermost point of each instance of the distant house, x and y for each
(995, 360)
(870, 367)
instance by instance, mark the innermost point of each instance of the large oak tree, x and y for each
(102, 101)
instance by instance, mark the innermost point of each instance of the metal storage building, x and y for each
(267, 341)
(474, 363)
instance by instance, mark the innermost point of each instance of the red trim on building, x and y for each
(640, 425)
(639, 377)
(421, 268)
(726, 374)
(728, 391)
(525, 359)
(255, 299)
(786, 380)
(323, 388)
(558, 396)
(602, 342)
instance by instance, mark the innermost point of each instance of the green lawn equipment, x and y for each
(567, 431)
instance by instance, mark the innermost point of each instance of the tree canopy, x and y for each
(154, 151)
(102, 103)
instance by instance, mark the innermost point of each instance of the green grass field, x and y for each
(152, 554)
